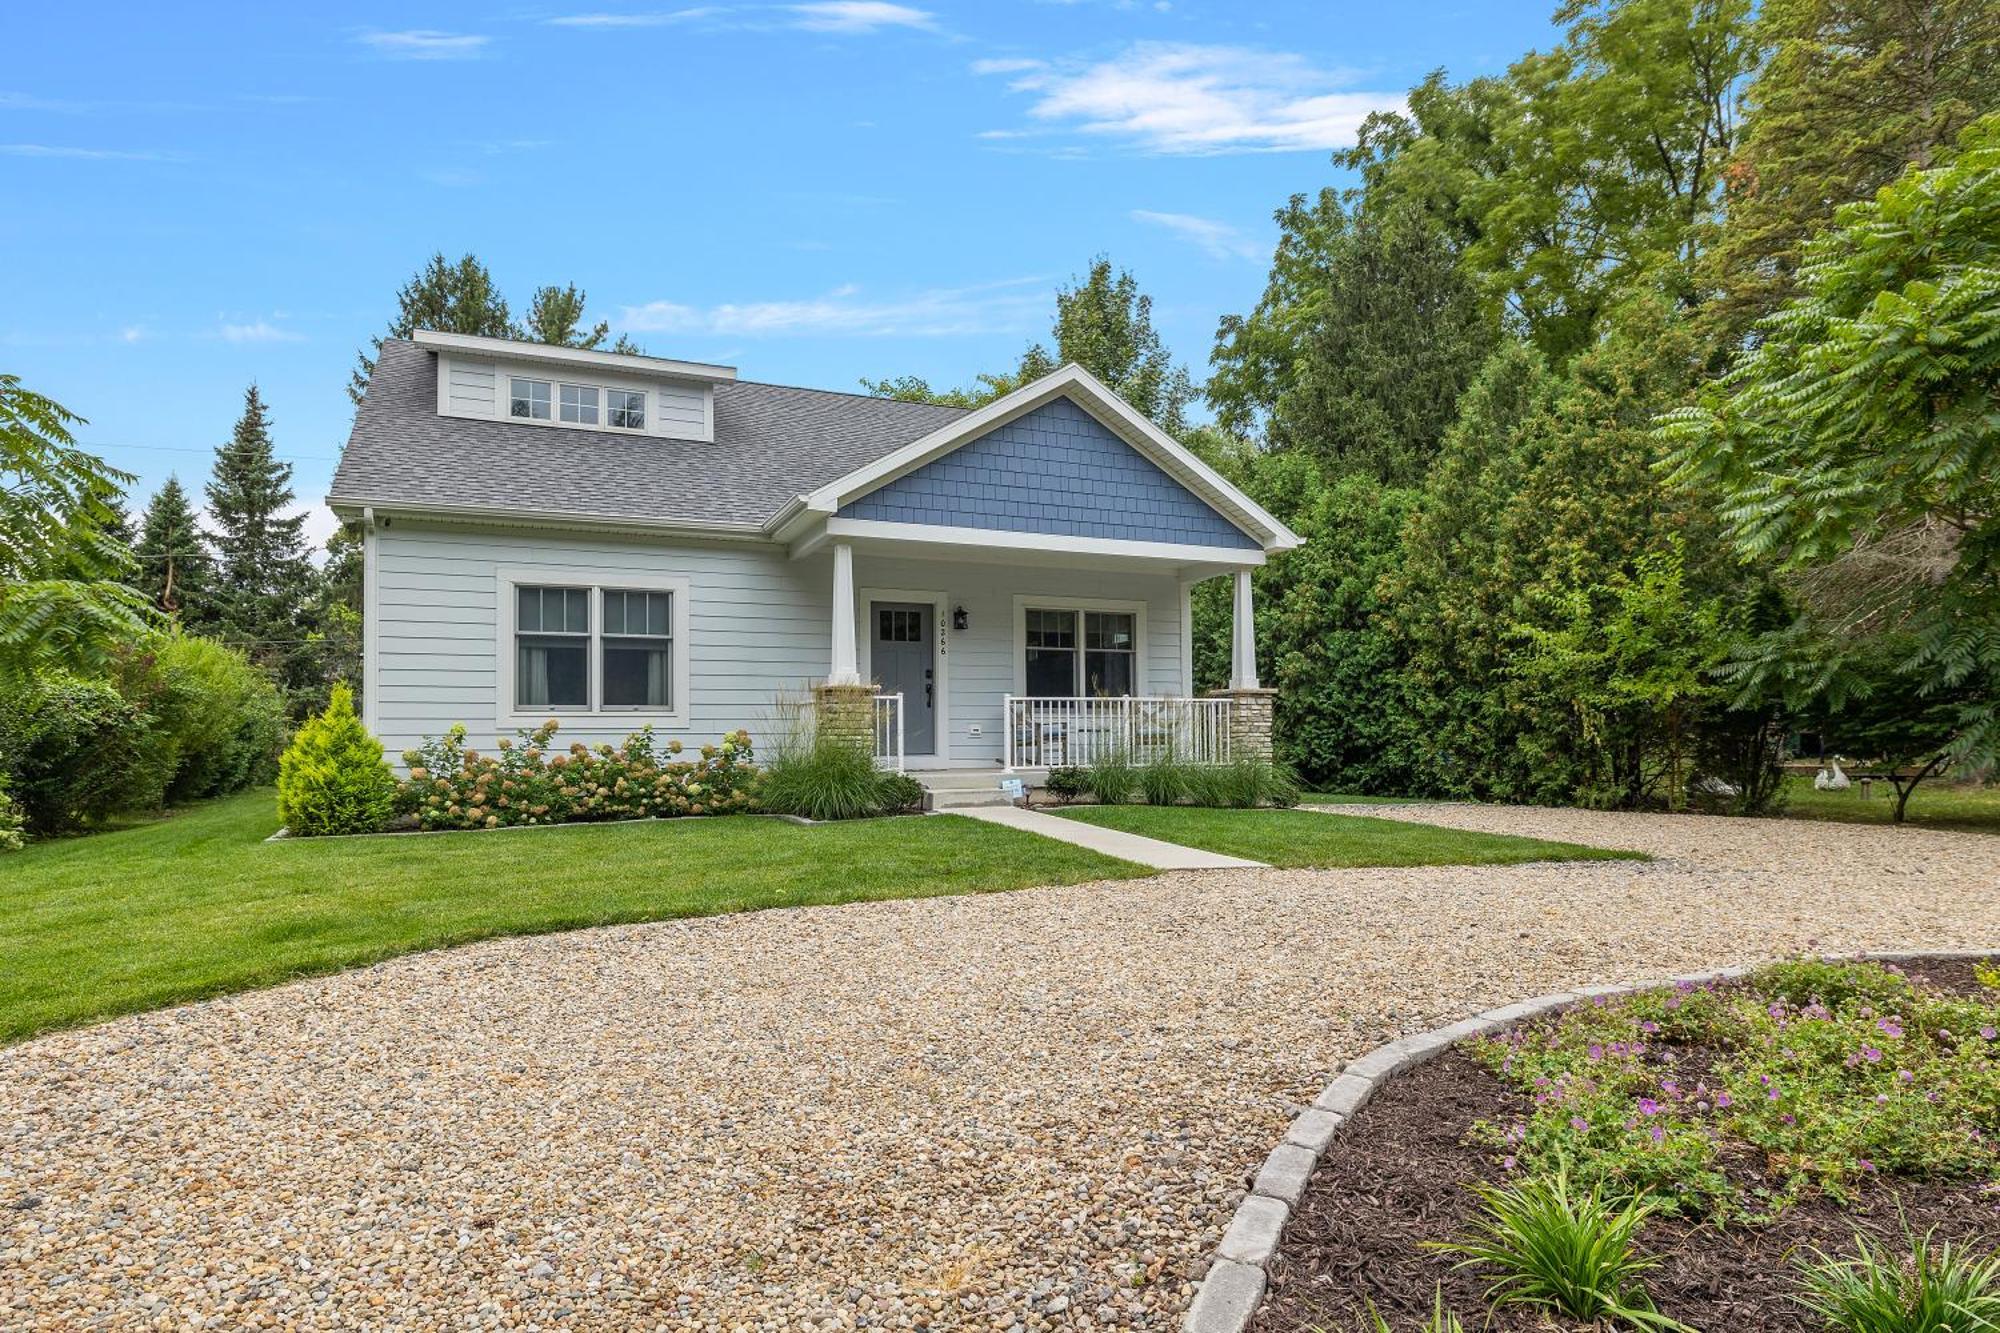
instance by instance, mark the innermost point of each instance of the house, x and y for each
(618, 541)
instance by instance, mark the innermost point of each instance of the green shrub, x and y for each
(1246, 784)
(1560, 1253)
(1207, 785)
(1067, 783)
(821, 777)
(72, 751)
(1112, 779)
(1823, 1096)
(1926, 1290)
(1164, 781)
(12, 824)
(529, 780)
(333, 778)
(900, 793)
(215, 721)
(1837, 985)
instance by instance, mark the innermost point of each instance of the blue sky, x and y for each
(198, 196)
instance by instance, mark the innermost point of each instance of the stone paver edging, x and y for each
(1231, 1293)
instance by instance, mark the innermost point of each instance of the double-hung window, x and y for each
(595, 647)
(528, 398)
(552, 647)
(1108, 653)
(638, 649)
(579, 404)
(1086, 654)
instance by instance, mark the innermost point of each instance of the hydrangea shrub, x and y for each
(528, 779)
(1735, 1100)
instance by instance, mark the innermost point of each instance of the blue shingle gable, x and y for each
(1055, 470)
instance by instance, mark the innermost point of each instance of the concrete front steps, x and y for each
(966, 788)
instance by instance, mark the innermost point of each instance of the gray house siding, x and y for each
(1056, 470)
(757, 628)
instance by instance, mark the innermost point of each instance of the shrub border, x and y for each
(1232, 1291)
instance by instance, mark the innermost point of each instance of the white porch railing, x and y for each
(889, 731)
(1049, 732)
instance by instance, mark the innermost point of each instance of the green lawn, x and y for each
(197, 904)
(1939, 805)
(1304, 838)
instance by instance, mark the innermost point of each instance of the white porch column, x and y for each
(846, 668)
(1242, 638)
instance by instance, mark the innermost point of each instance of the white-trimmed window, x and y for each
(592, 641)
(551, 647)
(638, 654)
(528, 398)
(626, 408)
(1076, 653)
(578, 404)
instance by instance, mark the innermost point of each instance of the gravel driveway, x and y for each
(1032, 1109)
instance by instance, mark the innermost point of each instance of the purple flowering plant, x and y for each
(1735, 1100)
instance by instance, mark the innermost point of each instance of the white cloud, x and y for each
(1218, 239)
(1009, 306)
(860, 16)
(653, 19)
(132, 333)
(426, 44)
(257, 331)
(82, 154)
(1007, 66)
(454, 178)
(1169, 97)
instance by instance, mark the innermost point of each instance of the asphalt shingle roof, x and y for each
(772, 443)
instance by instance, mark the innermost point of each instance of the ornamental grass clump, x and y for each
(333, 778)
(1112, 778)
(1926, 1288)
(1735, 1101)
(1565, 1254)
(529, 780)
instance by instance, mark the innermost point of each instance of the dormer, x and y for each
(569, 388)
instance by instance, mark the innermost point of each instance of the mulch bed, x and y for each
(1396, 1176)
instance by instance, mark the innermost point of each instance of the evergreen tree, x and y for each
(174, 565)
(452, 298)
(1854, 92)
(1366, 336)
(555, 316)
(262, 576)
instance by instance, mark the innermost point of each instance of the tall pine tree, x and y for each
(453, 298)
(262, 576)
(175, 569)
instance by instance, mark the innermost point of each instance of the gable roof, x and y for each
(781, 456)
(771, 442)
(1081, 387)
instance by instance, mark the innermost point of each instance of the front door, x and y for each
(901, 660)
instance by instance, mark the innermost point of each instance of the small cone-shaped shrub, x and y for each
(333, 778)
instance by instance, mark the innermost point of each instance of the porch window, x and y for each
(1107, 654)
(552, 647)
(1100, 666)
(638, 649)
(1051, 652)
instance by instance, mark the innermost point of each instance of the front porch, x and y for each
(1015, 663)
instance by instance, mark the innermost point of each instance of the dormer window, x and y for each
(628, 408)
(579, 404)
(529, 398)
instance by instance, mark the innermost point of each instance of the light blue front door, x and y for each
(901, 659)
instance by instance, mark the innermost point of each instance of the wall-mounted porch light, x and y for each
(959, 620)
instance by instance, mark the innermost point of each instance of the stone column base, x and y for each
(1249, 722)
(846, 713)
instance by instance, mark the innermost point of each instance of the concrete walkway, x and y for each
(1112, 842)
